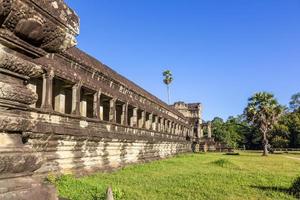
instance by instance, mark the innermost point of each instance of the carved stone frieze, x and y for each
(50, 25)
(20, 163)
(18, 65)
(17, 93)
(16, 124)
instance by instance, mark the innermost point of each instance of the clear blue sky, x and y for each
(220, 51)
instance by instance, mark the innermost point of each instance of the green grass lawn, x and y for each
(192, 176)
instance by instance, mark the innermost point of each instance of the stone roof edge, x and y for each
(86, 59)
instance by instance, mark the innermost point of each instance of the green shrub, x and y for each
(222, 163)
(118, 193)
(295, 189)
(232, 154)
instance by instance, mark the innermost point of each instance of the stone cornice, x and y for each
(47, 24)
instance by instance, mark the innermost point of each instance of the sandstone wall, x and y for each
(62, 111)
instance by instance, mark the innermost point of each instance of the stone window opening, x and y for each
(160, 126)
(120, 112)
(154, 122)
(141, 118)
(148, 122)
(105, 107)
(87, 103)
(62, 96)
(36, 85)
(130, 116)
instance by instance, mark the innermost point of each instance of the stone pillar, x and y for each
(176, 129)
(158, 124)
(163, 125)
(150, 122)
(201, 131)
(96, 107)
(47, 91)
(134, 118)
(209, 130)
(112, 110)
(124, 117)
(169, 127)
(142, 122)
(83, 107)
(166, 126)
(76, 89)
(60, 100)
(155, 124)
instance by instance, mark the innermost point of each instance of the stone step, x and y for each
(26, 189)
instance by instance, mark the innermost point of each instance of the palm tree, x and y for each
(263, 111)
(295, 102)
(168, 79)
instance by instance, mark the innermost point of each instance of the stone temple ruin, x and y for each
(62, 111)
(200, 142)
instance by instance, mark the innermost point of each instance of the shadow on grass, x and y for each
(276, 189)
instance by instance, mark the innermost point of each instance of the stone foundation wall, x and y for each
(64, 144)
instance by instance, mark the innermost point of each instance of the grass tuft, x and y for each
(225, 163)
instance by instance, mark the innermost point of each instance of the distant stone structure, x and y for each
(193, 112)
(62, 111)
(200, 142)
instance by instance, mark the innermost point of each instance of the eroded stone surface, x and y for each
(62, 111)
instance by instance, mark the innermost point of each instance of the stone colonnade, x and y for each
(62, 96)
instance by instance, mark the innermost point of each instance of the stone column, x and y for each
(159, 124)
(155, 124)
(166, 125)
(96, 107)
(76, 89)
(60, 100)
(176, 129)
(162, 125)
(150, 122)
(112, 110)
(209, 130)
(198, 126)
(83, 107)
(201, 131)
(134, 117)
(47, 91)
(142, 122)
(124, 117)
(169, 126)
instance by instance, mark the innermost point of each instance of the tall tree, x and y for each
(295, 102)
(263, 111)
(168, 79)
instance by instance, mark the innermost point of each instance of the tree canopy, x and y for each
(244, 131)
